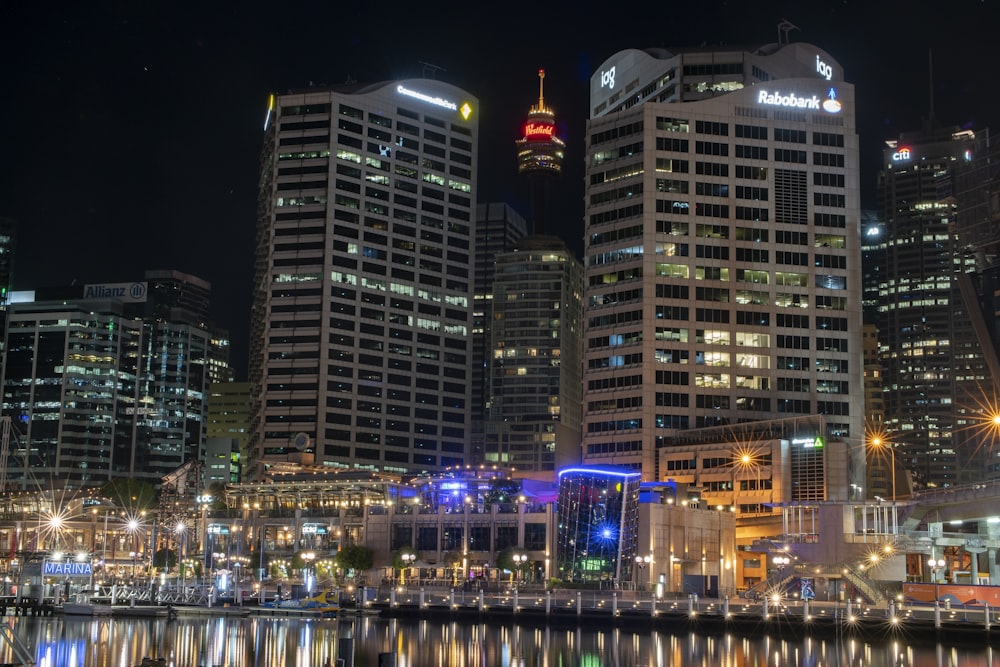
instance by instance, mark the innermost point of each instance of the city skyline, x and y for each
(136, 133)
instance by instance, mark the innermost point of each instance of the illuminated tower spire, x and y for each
(539, 155)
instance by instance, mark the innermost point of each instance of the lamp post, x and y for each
(878, 442)
(307, 558)
(642, 562)
(936, 565)
(519, 560)
(407, 557)
(179, 530)
(781, 562)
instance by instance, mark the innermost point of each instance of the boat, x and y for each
(319, 604)
(82, 605)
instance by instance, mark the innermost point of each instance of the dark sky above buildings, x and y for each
(131, 130)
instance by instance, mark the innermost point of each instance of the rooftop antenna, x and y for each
(784, 28)
(431, 70)
(541, 89)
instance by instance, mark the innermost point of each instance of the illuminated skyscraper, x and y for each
(498, 228)
(722, 252)
(101, 388)
(362, 315)
(938, 348)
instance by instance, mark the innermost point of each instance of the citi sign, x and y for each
(902, 155)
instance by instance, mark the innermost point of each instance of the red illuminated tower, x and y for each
(539, 156)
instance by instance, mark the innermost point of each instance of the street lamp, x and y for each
(519, 560)
(936, 565)
(407, 557)
(642, 562)
(781, 562)
(307, 559)
(880, 443)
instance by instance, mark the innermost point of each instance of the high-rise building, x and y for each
(722, 251)
(97, 391)
(498, 228)
(227, 431)
(179, 297)
(938, 352)
(533, 414)
(8, 246)
(362, 315)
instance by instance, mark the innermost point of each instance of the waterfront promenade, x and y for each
(638, 610)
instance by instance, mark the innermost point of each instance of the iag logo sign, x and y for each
(823, 69)
(608, 78)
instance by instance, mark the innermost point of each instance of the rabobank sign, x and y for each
(58, 568)
(134, 292)
(793, 101)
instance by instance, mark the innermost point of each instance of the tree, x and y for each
(355, 557)
(130, 494)
(165, 558)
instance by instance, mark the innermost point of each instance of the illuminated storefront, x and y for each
(598, 524)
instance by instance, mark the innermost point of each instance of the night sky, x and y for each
(131, 132)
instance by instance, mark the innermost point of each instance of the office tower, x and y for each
(939, 357)
(498, 228)
(722, 251)
(533, 400)
(181, 297)
(227, 430)
(8, 248)
(362, 315)
(98, 391)
(533, 414)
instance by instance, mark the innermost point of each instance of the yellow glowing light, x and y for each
(465, 110)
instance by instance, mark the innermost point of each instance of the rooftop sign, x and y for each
(791, 100)
(465, 110)
(135, 292)
(538, 131)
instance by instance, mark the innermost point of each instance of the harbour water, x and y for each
(287, 642)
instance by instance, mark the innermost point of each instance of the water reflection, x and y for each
(266, 642)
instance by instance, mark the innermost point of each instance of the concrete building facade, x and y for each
(722, 251)
(361, 334)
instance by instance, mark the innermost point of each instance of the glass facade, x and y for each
(100, 394)
(598, 525)
(534, 373)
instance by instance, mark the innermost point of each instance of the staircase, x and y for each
(17, 647)
(779, 581)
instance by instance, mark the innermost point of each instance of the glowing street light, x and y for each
(878, 440)
(519, 560)
(308, 557)
(936, 565)
(642, 562)
(407, 557)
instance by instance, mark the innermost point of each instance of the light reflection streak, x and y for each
(276, 642)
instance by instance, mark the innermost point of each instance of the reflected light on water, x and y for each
(272, 642)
